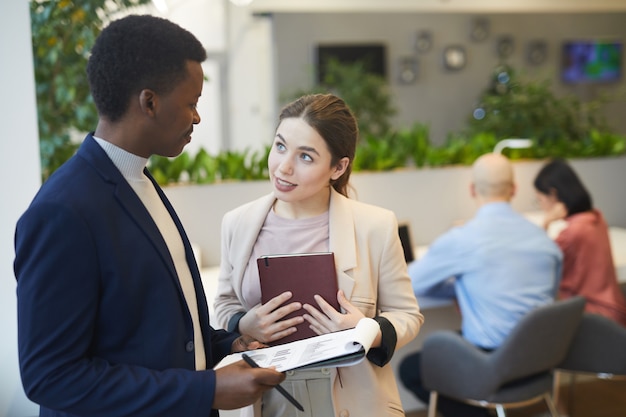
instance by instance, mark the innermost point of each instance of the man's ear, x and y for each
(148, 101)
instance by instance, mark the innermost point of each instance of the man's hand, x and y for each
(238, 385)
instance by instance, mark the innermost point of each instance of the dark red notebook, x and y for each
(304, 274)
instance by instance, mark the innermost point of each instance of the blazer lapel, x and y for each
(342, 240)
(246, 234)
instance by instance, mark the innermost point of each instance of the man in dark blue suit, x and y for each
(112, 316)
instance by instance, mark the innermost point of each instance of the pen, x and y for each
(280, 389)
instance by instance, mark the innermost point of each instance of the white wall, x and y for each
(474, 6)
(444, 100)
(206, 19)
(20, 169)
(251, 84)
(266, 51)
(237, 106)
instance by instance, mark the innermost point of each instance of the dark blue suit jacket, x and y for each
(103, 327)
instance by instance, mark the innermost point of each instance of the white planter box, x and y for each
(430, 200)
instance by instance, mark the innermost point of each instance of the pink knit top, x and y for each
(281, 236)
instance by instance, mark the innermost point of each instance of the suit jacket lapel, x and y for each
(131, 203)
(127, 198)
(203, 309)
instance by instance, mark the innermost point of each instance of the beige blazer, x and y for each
(372, 272)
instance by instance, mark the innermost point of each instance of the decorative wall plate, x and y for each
(407, 70)
(505, 46)
(479, 30)
(537, 52)
(454, 57)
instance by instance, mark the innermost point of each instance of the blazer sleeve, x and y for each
(228, 307)
(396, 301)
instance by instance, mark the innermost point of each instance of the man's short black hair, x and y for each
(138, 52)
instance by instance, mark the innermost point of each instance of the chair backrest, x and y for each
(540, 341)
(454, 367)
(599, 346)
(451, 365)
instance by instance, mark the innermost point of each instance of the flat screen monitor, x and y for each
(591, 61)
(372, 55)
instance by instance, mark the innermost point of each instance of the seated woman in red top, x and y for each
(588, 267)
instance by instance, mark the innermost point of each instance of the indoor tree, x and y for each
(63, 32)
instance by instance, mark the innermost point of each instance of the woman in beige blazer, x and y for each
(309, 165)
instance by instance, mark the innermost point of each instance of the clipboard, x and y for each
(337, 349)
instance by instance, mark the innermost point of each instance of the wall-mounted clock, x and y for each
(454, 57)
(505, 46)
(407, 70)
(423, 41)
(479, 30)
(537, 52)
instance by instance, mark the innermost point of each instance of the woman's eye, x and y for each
(306, 157)
(280, 146)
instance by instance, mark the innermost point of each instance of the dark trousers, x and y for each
(411, 377)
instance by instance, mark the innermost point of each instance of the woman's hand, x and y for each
(327, 319)
(558, 211)
(263, 321)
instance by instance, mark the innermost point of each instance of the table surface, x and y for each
(618, 246)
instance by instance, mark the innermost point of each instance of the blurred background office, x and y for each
(436, 55)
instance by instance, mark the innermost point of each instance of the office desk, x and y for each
(618, 246)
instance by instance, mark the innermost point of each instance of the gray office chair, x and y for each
(516, 374)
(598, 349)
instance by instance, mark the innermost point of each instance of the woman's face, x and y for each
(546, 201)
(300, 165)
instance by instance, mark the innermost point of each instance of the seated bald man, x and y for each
(497, 266)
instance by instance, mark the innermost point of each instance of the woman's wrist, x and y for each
(233, 323)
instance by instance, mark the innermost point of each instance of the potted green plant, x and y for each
(62, 34)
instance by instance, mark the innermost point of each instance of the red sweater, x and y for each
(588, 268)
